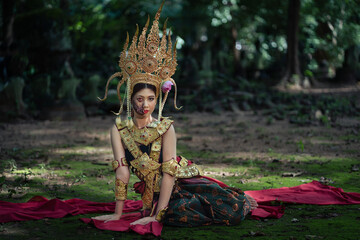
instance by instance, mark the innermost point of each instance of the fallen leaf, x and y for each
(252, 233)
(291, 174)
(325, 180)
(355, 168)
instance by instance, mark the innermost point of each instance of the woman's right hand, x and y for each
(107, 218)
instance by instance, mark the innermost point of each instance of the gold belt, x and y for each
(148, 171)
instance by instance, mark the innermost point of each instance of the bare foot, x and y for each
(252, 201)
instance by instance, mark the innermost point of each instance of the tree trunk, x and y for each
(292, 76)
(8, 17)
(349, 73)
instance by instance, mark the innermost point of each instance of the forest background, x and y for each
(270, 96)
(59, 50)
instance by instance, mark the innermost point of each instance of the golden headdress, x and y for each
(148, 60)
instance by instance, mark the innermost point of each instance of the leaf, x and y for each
(354, 168)
(291, 174)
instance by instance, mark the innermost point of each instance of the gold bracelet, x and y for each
(160, 216)
(120, 190)
(116, 163)
(124, 162)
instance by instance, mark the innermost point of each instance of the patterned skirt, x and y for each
(199, 201)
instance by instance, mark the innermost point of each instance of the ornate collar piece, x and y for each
(149, 133)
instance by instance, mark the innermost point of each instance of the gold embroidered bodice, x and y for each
(147, 167)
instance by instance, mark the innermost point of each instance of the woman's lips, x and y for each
(146, 111)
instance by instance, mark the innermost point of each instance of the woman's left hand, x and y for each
(144, 220)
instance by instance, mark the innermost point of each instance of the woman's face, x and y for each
(144, 103)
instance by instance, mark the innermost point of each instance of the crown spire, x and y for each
(147, 60)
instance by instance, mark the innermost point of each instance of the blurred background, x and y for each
(56, 55)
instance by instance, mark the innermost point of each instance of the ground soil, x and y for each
(242, 135)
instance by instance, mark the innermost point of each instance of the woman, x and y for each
(194, 201)
(148, 146)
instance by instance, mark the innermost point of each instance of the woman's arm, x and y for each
(122, 173)
(167, 182)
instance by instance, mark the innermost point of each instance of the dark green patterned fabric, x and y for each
(198, 201)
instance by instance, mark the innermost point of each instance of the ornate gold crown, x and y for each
(148, 60)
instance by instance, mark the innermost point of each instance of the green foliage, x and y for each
(90, 34)
(325, 29)
(9, 165)
(300, 145)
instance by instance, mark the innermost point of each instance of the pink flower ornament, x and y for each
(166, 87)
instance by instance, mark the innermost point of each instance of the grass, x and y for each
(53, 174)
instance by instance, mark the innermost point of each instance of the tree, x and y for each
(8, 16)
(292, 76)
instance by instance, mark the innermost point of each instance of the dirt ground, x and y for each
(246, 134)
(240, 135)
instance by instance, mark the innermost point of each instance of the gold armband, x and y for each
(116, 163)
(120, 190)
(124, 162)
(170, 167)
(160, 216)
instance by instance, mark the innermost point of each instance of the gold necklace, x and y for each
(145, 135)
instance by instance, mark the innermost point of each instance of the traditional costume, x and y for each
(195, 201)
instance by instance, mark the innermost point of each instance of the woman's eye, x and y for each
(151, 99)
(139, 99)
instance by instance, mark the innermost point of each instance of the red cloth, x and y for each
(309, 193)
(123, 224)
(264, 211)
(40, 207)
(221, 184)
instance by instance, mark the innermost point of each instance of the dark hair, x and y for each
(141, 86)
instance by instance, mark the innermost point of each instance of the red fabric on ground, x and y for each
(309, 193)
(264, 211)
(40, 207)
(123, 225)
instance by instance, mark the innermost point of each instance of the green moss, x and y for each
(73, 176)
(189, 154)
